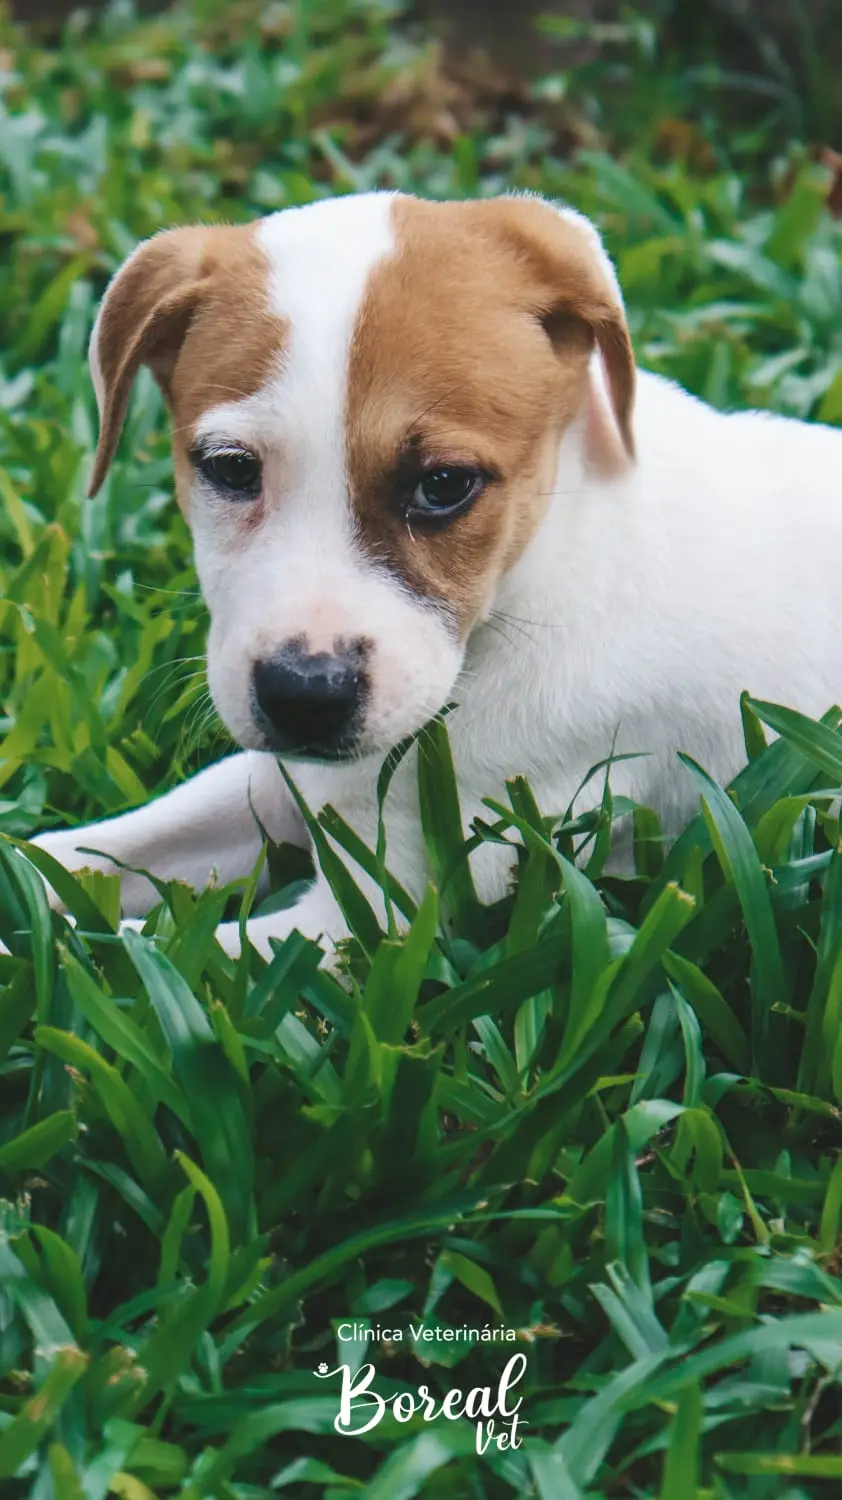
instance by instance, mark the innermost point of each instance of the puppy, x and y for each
(419, 466)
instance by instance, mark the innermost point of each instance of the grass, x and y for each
(606, 1113)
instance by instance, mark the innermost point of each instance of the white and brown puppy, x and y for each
(400, 424)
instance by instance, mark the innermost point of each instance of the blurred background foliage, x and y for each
(608, 1114)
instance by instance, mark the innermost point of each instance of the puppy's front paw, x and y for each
(316, 916)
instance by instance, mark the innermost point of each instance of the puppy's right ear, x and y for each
(143, 320)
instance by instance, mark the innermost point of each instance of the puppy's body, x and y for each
(616, 581)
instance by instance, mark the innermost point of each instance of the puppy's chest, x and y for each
(552, 714)
(515, 706)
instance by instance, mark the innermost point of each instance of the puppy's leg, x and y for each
(207, 829)
(318, 914)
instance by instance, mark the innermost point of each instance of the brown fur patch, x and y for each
(193, 305)
(472, 347)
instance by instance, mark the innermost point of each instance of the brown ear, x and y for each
(575, 280)
(143, 320)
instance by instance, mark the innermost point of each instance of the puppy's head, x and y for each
(368, 397)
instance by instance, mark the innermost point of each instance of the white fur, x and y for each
(641, 609)
(302, 571)
(205, 832)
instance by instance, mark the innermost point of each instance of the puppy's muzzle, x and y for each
(311, 704)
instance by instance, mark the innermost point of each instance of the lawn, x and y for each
(604, 1114)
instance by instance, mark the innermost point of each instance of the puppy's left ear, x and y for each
(143, 319)
(575, 280)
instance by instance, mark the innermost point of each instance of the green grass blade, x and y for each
(34, 1147)
(741, 866)
(818, 742)
(139, 1136)
(441, 822)
(25, 1432)
(681, 1462)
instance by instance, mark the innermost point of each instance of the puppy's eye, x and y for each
(446, 490)
(234, 471)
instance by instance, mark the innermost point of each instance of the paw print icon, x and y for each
(322, 1369)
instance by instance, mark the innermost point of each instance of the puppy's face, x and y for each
(368, 397)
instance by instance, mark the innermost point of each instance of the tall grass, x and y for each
(604, 1113)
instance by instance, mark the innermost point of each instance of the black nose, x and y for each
(310, 704)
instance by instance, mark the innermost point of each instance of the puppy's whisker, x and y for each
(178, 661)
(434, 405)
(557, 494)
(198, 722)
(172, 672)
(158, 588)
(521, 620)
(502, 620)
(498, 630)
(155, 588)
(163, 688)
(500, 623)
